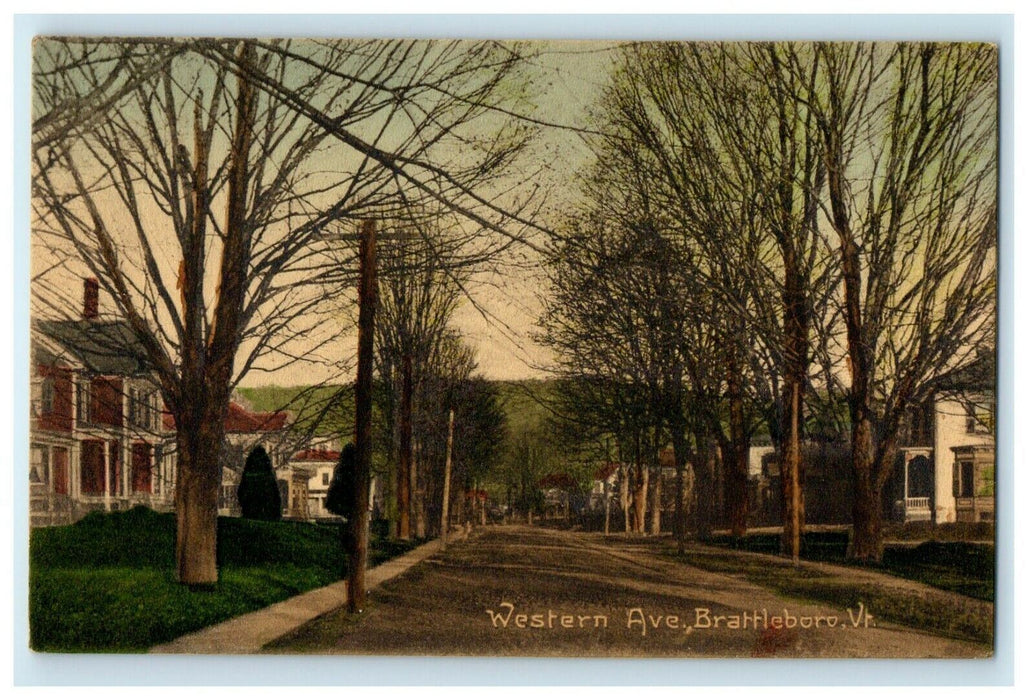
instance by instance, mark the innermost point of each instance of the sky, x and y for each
(499, 313)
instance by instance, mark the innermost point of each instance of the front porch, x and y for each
(912, 486)
(71, 477)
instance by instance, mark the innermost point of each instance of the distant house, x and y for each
(558, 491)
(244, 430)
(944, 470)
(96, 432)
(317, 464)
(605, 485)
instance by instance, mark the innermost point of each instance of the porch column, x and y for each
(905, 480)
(127, 465)
(107, 474)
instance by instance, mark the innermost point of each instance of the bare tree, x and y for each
(736, 166)
(201, 186)
(420, 289)
(909, 135)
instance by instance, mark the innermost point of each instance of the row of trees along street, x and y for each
(796, 239)
(209, 186)
(792, 239)
(424, 370)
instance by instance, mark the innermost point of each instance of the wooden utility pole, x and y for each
(364, 393)
(405, 448)
(607, 486)
(445, 484)
(529, 508)
(795, 459)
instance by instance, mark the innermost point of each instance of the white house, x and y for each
(318, 465)
(947, 471)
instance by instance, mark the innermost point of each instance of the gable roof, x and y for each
(100, 347)
(978, 375)
(241, 420)
(313, 455)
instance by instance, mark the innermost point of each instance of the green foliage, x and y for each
(339, 492)
(326, 409)
(257, 493)
(107, 583)
(481, 429)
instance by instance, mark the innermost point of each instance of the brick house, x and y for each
(99, 437)
(96, 440)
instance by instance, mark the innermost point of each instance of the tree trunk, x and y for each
(208, 361)
(681, 451)
(735, 492)
(655, 502)
(417, 501)
(791, 475)
(405, 449)
(624, 476)
(735, 457)
(444, 525)
(640, 498)
(704, 486)
(866, 511)
(359, 515)
(795, 379)
(867, 515)
(198, 480)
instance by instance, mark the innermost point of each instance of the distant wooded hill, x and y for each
(331, 406)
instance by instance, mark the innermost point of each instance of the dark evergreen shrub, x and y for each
(257, 493)
(339, 492)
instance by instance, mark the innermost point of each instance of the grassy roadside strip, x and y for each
(966, 567)
(906, 603)
(106, 583)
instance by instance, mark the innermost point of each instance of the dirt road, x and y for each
(521, 591)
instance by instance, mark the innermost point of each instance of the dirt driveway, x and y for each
(522, 591)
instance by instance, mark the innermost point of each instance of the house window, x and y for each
(59, 470)
(966, 484)
(134, 412)
(141, 467)
(83, 404)
(47, 395)
(971, 425)
(38, 464)
(92, 471)
(326, 478)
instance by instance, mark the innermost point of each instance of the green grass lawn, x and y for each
(960, 567)
(952, 616)
(107, 583)
(967, 568)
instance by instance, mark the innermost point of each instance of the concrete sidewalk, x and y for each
(248, 633)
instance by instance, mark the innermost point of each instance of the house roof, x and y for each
(558, 481)
(978, 375)
(313, 455)
(102, 347)
(241, 420)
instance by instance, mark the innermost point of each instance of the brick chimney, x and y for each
(90, 298)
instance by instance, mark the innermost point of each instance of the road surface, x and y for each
(523, 591)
